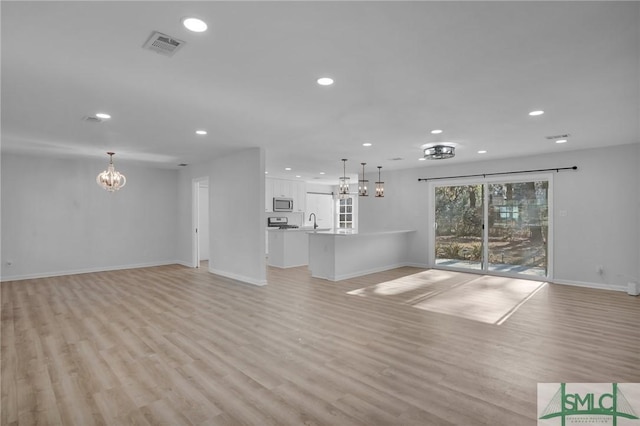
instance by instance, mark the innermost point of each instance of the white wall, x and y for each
(404, 206)
(236, 215)
(601, 200)
(321, 203)
(238, 249)
(56, 220)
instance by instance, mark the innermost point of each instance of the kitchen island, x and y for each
(346, 254)
(289, 247)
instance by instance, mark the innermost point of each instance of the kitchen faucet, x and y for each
(315, 225)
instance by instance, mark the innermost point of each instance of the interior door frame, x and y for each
(431, 229)
(195, 219)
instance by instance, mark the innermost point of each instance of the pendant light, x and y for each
(343, 190)
(110, 179)
(362, 184)
(379, 185)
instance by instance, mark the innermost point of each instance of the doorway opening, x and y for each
(500, 227)
(200, 229)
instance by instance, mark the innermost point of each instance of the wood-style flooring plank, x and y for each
(180, 346)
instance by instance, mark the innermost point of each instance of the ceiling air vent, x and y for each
(92, 119)
(163, 44)
(566, 135)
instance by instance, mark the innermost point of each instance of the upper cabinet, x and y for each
(283, 188)
(300, 197)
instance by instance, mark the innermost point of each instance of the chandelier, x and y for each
(110, 179)
(343, 183)
(379, 185)
(439, 152)
(362, 184)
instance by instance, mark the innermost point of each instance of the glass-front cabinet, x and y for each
(345, 212)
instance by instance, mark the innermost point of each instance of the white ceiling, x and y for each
(401, 69)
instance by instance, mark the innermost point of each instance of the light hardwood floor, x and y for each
(178, 346)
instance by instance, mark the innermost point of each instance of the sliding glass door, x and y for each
(458, 233)
(518, 227)
(500, 227)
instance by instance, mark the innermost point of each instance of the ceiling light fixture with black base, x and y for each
(439, 152)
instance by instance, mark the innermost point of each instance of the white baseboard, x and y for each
(86, 271)
(600, 286)
(418, 265)
(237, 277)
(366, 272)
(287, 267)
(372, 271)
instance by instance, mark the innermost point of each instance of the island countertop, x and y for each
(342, 254)
(299, 230)
(351, 233)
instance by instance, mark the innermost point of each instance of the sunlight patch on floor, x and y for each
(481, 298)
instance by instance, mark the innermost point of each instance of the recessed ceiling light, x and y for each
(287, 168)
(421, 159)
(436, 132)
(482, 151)
(538, 112)
(321, 173)
(266, 173)
(561, 141)
(103, 115)
(194, 24)
(201, 132)
(367, 144)
(298, 176)
(325, 81)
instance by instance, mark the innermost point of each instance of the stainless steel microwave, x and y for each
(282, 204)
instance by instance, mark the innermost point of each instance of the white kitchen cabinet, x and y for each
(284, 188)
(300, 199)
